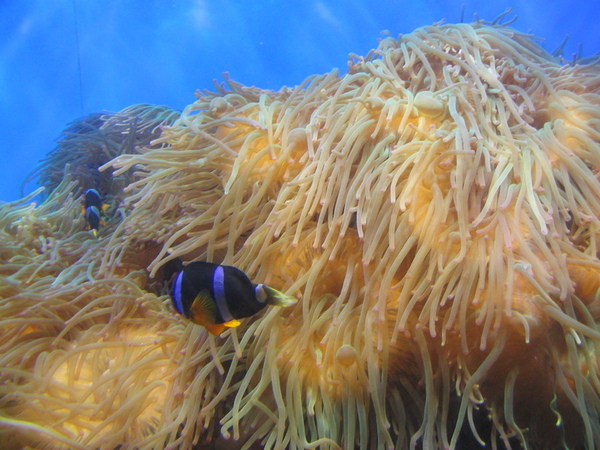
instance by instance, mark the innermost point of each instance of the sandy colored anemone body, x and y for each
(436, 211)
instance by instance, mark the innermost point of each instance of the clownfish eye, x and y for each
(260, 293)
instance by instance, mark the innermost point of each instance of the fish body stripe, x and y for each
(92, 198)
(92, 215)
(260, 294)
(177, 294)
(219, 290)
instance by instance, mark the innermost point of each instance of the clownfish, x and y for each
(216, 296)
(93, 209)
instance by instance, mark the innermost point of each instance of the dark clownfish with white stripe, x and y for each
(216, 296)
(93, 208)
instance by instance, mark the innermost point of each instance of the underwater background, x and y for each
(433, 217)
(63, 59)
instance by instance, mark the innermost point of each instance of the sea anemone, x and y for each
(91, 141)
(436, 211)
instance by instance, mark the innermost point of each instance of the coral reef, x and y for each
(436, 211)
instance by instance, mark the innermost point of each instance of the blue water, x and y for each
(62, 59)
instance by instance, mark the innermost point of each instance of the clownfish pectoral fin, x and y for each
(105, 207)
(214, 328)
(276, 298)
(203, 310)
(233, 323)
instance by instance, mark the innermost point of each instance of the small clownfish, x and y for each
(93, 209)
(216, 296)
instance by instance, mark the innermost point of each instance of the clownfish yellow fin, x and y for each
(218, 328)
(233, 323)
(203, 310)
(105, 207)
(276, 298)
(214, 328)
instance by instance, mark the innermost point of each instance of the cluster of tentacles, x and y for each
(436, 211)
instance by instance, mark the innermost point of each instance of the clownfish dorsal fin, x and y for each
(203, 310)
(274, 297)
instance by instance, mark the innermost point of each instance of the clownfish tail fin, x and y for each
(276, 298)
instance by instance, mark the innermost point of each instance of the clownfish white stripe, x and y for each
(260, 294)
(219, 289)
(177, 294)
